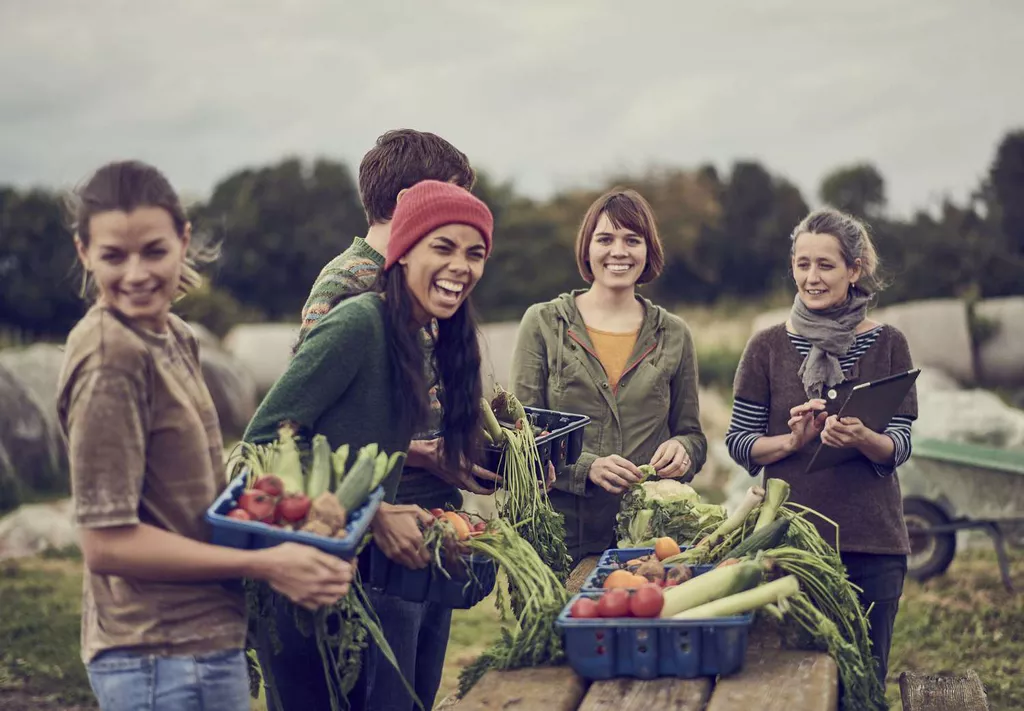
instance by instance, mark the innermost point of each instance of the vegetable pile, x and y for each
(658, 508)
(534, 640)
(525, 503)
(278, 494)
(317, 499)
(770, 557)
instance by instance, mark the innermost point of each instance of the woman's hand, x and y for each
(396, 531)
(428, 454)
(671, 459)
(305, 575)
(806, 422)
(614, 473)
(847, 432)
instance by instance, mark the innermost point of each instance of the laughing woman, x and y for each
(778, 417)
(163, 615)
(611, 354)
(359, 378)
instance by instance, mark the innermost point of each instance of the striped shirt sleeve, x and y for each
(898, 431)
(748, 424)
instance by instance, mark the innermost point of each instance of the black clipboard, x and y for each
(873, 403)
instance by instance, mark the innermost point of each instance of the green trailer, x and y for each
(950, 488)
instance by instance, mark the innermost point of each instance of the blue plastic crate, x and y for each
(251, 535)
(429, 584)
(648, 648)
(562, 445)
(595, 581)
(616, 556)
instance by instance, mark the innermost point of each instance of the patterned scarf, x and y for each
(831, 333)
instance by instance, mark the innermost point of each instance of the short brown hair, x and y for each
(625, 208)
(402, 158)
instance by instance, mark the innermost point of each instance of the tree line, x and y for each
(726, 236)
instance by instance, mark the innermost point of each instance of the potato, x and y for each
(678, 574)
(653, 570)
(328, 511)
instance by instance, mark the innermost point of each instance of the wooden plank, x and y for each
(923, 692)
(580, 573)
(782, 680)
(653, 695)
(549, 688)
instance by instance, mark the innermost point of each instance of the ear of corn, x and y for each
(320, 469)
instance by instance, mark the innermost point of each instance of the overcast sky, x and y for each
(548, 94)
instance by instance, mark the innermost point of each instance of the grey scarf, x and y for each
(831, 333)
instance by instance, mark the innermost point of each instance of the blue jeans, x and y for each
(417, 633)
(126, 681)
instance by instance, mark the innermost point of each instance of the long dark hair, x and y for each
(457, 367)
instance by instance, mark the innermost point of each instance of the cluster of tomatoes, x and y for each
(644, 601)
(267, 502)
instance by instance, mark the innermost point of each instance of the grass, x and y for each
(963, 620)
(39, 632)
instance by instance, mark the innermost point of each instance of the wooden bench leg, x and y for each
(924, 692)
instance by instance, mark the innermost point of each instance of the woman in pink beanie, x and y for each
(358, 377)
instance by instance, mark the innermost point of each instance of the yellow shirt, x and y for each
(613, 350)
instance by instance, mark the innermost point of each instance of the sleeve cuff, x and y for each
(579, 474)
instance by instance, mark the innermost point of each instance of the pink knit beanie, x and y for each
(428, 205)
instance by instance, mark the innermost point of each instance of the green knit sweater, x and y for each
(338, 384)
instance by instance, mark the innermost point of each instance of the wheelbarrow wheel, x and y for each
(930, 555)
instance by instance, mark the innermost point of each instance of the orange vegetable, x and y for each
(458, 523)
(665, 548)
(637, 581)
(618, 579)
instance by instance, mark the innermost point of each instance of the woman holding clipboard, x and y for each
(780, 419)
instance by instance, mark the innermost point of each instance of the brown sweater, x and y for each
(867, 507)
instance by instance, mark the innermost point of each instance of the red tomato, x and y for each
(239, 515)
(585, 607)
(258, 505)
(437, 513)
(292, 508)
(614, 603)
(270, 484)
(647, 601)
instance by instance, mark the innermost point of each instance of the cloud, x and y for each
(545, 94)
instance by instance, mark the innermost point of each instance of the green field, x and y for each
(964, 620)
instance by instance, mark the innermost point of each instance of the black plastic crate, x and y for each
(460, 592)
(562, 445)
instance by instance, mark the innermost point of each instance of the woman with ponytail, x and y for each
(779, 416)
(163, 613)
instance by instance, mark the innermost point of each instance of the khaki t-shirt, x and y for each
(145, 446)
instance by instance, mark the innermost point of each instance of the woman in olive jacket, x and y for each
(611, 354)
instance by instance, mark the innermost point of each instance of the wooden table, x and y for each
(772, 679)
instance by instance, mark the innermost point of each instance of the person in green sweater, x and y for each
(400, 159)
(358, 377)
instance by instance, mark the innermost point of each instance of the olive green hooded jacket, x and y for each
(555, 367)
